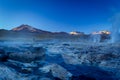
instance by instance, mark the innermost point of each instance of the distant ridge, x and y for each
(30, 33)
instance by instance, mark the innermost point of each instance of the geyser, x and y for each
(115, 36)
(95, 38)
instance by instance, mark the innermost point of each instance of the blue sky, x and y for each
(59, 15)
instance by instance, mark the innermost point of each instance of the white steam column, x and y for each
(115, 36)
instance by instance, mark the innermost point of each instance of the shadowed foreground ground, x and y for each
(59, 61)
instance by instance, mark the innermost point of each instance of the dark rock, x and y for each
(66, 44)
(57, 71)
(33, 54)
(26, 70)
(2, 51)
(108, 56)
(3, 58)
(55, 78)
(37, 49)
(82, 77)
(12, 49)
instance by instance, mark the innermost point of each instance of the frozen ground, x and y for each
(59, 60)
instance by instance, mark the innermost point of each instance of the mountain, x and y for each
(29, 32)
(27, 28)
(76, 33)
(101, 32)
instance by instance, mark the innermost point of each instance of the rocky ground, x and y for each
(60, 61)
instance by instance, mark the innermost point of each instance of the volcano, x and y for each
(28, 28)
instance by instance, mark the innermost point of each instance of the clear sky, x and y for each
(59, 15)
